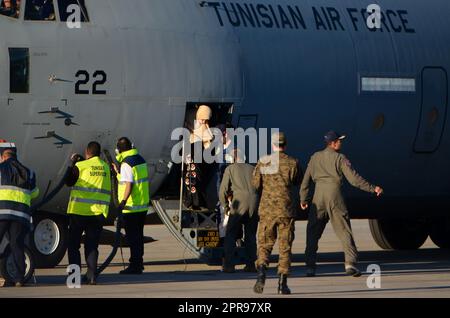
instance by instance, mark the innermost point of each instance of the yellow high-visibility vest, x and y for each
(139, 200)
(91, 195)
(15, 201)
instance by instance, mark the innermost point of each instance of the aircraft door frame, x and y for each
(433, 110)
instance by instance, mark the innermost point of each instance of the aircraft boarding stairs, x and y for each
(197, 231)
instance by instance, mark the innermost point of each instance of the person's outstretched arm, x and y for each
(355, 179)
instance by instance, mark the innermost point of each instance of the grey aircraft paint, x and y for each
(296, 65)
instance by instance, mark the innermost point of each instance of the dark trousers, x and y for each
(92, 226)
(17, 232)
(134, 231)
(233, 232)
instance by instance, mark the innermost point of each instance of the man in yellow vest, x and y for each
(17, 189)
(88, 207)
(134, 200)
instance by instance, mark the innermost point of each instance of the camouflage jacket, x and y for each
(277, 186)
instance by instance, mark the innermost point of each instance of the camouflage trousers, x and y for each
(269, 229)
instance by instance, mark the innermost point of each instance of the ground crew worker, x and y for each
(275, 177)
(17, 189)
(134, 200)
(326, 169)
(88, 207)
(237, 183)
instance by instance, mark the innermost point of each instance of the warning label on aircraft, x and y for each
(208, 238)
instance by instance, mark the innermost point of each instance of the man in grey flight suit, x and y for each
(237, 187)
(326, 169)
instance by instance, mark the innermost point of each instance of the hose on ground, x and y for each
(119, 218)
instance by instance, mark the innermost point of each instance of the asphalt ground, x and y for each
(171, 272)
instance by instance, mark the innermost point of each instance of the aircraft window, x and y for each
(66, 12)
(10, 8)
(386, 84)
(39, 10)
(19, 70)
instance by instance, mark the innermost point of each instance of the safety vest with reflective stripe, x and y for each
(91, 194)
(15, 201)
(139, 199)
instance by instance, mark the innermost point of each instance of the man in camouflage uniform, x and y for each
(275, 177)
(326, 169)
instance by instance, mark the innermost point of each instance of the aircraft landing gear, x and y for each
(6, 262)
(399, 234)
(440, 232)
(49, 239)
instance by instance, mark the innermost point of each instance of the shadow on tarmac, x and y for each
(330, 265)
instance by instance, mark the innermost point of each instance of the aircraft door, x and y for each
(433, 110)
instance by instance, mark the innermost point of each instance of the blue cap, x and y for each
(333, 136)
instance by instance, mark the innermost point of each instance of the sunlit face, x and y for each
(337, 145)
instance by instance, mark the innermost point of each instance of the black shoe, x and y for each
(282, 285)
(88, 281)
(310, 272)
(351, 270)
(228, 269)
(7, 283)
(132, 271)
(261, 280)
(250, 268)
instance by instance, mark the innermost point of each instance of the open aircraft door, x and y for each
(196, 230)
(433, 110)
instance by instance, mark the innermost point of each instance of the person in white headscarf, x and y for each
(202, 131)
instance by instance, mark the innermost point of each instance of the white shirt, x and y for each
(126, 173)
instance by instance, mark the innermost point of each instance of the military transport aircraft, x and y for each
(138, 68)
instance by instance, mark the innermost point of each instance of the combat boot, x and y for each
(310, 272)
(261, 280)
(132, 270)
(282, 285)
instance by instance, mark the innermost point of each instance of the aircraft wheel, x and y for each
(399, 234)
(49, 239)
(440, 232)
(7, 270)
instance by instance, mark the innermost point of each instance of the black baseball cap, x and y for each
(333, 136)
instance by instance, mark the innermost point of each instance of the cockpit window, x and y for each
(10, 8)
(40, 10)
(19, 70)
(67, 9)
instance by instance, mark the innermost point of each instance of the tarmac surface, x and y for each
(171, 272)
